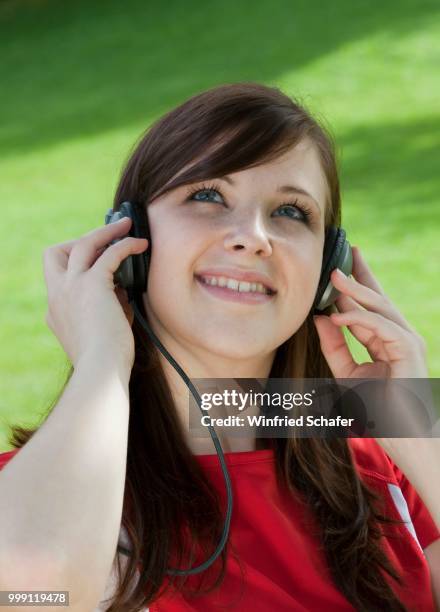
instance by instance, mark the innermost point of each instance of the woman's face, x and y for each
(244, 223)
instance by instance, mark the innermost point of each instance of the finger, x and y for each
(369, 298)
(364, 335)
(334, 348)
(112, 257)
(395, 337)
(55, 257)
(345, 303)
(84, 252)
(55, 260)
(97, 255)
(363, 273)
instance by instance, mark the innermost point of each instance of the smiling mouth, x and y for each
(242, 287)
(230, 294)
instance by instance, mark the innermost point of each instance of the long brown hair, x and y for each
(217, 132)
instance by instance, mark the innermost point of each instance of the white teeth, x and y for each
(231, 283)
(244, 287)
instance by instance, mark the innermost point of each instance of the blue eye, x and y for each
(292, 207)
(205, 192)
(208, 191)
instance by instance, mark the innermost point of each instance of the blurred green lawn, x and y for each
(82, 80)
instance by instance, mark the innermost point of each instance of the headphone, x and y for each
(132, 275)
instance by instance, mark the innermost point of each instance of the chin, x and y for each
(230, 348)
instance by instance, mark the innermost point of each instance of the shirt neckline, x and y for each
(237, 457)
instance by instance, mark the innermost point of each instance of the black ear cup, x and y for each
(133, 271)
(337, 254)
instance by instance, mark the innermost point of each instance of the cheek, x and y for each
(177, 243)
(304, 269)
(165, 270)
(172, 260)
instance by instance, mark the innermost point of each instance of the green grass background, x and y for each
(81, 80)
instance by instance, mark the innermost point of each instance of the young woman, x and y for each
(317, 524)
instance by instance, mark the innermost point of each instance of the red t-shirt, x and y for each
(280, 553)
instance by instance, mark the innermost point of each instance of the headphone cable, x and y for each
(180, 371)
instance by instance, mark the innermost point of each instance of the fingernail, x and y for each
(340, 273)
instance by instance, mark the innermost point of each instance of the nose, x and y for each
(249, 233)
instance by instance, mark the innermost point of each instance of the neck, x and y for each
(210, 366)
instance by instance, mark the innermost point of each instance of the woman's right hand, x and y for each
(86, 312)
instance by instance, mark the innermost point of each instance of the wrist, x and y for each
(94, 360)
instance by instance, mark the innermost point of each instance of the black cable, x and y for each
(165, 353)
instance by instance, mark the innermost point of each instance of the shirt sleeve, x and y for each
(426, 530)
(6, 457)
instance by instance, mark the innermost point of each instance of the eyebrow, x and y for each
(282, 189)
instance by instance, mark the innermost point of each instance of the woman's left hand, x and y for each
(395, 347)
